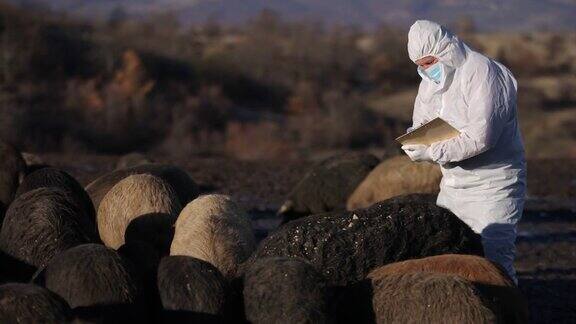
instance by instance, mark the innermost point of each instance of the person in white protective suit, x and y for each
(484, 170)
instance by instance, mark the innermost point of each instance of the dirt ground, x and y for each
(546, 246)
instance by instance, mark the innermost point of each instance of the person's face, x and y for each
(426, 61)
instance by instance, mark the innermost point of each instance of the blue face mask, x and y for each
(434, 73)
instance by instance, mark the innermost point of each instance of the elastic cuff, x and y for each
(431, 153)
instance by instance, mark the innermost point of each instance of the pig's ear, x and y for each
(38, 277)
(285, 208)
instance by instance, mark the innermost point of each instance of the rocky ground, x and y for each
(546, 247)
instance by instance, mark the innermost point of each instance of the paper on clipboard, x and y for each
(433, 131)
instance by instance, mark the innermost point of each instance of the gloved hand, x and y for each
(418, 152)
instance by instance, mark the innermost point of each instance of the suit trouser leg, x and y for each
(499, 241)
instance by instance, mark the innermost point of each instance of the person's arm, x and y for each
(419, 112)
(485, 96)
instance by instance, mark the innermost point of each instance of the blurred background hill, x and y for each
(260, 79)
(488, 14)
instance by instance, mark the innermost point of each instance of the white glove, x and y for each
(418, 152)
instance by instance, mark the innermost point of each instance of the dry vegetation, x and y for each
(265, 90)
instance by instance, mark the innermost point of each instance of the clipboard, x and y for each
(433, 131)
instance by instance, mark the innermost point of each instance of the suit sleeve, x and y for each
(419, 113)
(484, 96)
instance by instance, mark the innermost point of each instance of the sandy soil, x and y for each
(546, 247)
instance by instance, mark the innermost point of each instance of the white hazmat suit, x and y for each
(484, 170)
